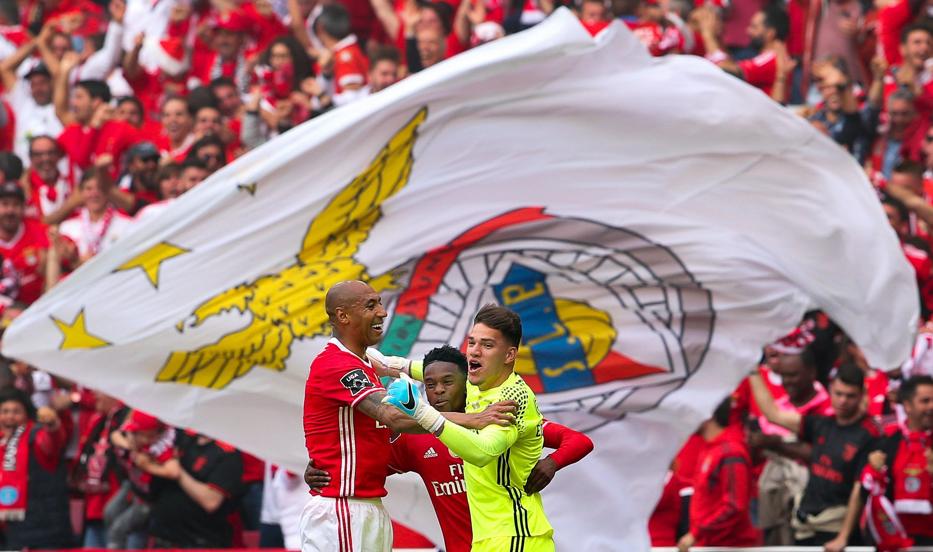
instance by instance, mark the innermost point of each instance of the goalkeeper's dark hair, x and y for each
(446, 353)
(503, 319)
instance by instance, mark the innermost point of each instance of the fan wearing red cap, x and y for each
(225, 58)
(147, 443)
(145, 446)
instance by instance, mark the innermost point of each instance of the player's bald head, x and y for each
(345, 294)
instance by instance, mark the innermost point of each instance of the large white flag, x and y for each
(653, 221)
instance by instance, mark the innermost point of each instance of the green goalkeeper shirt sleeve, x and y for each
(478, 448)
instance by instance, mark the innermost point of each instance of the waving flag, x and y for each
(653, 221)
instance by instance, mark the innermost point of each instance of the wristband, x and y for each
(416, 370)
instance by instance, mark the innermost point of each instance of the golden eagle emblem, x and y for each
(289, 304)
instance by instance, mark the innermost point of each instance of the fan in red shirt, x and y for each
(350, 67)
(719, 509)
(152, 87)
(919, 258)
(48, 187)
(347, 429)
(91, 133)
(593, 15)
(445, 384)
(226, 57)
(911, 73)
(22, 241)
(769, 70)
(177, 134)
(653, 30)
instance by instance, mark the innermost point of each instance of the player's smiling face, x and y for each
(445, 385)
(490, 357)
(367, 316)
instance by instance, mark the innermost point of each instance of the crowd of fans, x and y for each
(110, 109)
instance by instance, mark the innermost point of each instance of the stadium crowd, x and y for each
(113, 108)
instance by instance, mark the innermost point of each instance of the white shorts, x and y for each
(345, 525)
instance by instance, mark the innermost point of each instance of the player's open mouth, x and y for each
(377, 327)
(474, 366)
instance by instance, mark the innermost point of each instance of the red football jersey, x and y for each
(84, 145)
(352, 447)
(442, 474)
(350, 65)
(24, 252)
(760, 71)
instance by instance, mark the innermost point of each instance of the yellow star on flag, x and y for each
(76, 335)
(150, 261)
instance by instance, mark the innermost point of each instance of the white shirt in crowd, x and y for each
(92, 237)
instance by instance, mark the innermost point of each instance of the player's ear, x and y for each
(511, 355)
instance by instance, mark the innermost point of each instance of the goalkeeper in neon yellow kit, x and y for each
(497, 460)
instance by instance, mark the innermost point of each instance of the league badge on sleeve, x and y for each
(355, 381)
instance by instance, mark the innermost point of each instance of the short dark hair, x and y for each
(385, 53)
(171, 170)
(201, 96)
(96, 89)
(221, 82)
(446, 353)
(902, 212)
(722, 412)
(908, 166)
(17, 395)
(776, 18)
(11, 165)
(503, 319)
(335, 21)
(192, 162)
(205, 142)
(444, 12)
(133, 100)
(850, 374)
(908, 389)
(914, 27)
(102, 176)
(34, 139)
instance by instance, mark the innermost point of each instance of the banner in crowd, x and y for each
(653, 221)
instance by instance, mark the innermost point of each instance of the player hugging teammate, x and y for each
(499, 437)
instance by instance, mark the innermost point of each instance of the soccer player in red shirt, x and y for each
(445, 370)
(347, 428)
(23, 241)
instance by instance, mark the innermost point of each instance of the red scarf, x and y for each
(14, 474)
(95, 239)
(912, 482)
(880, 518)
(46, 196)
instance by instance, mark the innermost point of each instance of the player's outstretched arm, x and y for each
(501, 413)
(476, 447)
(372, 406)
(571, 446)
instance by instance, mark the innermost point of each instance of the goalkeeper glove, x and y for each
(414, 368)
(403, 395)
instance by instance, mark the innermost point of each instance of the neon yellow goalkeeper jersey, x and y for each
(497, 462)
